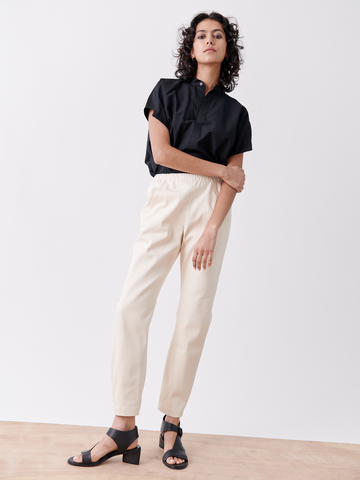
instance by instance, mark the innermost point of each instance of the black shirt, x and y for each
(212, 127)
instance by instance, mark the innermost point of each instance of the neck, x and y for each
(209, 74)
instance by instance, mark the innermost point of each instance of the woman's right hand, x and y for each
(235, 177)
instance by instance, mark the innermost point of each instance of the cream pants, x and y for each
(172, 221)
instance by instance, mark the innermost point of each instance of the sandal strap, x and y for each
(166, 426)
(123, 438)
(178, 450)
(86, 455)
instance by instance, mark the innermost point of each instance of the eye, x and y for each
(200, 36)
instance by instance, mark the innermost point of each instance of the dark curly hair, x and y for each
(187, 67)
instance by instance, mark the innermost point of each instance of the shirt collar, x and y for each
(198, 83)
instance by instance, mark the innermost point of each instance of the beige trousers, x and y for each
(173, 219)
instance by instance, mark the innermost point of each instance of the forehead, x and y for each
(209, 25)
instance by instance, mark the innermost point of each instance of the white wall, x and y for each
(282, 354)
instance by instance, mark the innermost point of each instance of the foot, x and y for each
(107, 444)
(169, 440)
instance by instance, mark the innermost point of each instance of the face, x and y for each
(209, 33)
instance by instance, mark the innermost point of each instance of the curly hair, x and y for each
(231, 65)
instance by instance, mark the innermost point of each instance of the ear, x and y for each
(191, 52)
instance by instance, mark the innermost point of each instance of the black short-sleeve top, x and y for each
(212, 127)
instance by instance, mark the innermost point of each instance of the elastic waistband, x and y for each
(191, 178)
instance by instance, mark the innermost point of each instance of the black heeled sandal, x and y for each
(122, 439)
(178, 449)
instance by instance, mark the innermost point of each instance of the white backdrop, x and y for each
(282, 355)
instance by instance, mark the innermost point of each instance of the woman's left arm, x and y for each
(203, 251)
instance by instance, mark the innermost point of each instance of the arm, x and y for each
(168, 156)
(204, 248)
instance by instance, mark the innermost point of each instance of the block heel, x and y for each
(132, 456)
(161, 441)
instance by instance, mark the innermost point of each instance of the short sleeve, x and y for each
(243, 141)
(157, 101)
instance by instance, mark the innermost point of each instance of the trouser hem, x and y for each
(126, 411)
(171, 411)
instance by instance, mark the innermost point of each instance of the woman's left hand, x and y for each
(204, 248)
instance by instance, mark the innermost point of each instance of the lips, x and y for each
(209, 50)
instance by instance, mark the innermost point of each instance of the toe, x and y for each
(170, 460)
(77, 459)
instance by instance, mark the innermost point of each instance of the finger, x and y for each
(210, 259)
(198, 260)
(194, 259)
(204, 260)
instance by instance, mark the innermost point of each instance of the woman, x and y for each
(197, 137)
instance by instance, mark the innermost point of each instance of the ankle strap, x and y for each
(167, 426)
(123, 438)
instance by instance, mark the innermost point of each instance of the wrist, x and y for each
(223, 171)
(212, 227)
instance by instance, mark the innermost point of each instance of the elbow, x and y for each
(159, 156)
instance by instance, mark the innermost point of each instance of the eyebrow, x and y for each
(215, 30)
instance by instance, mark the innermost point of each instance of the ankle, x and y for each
(123, 423)
(174, 420)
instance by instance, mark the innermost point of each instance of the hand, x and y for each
(204, 248)
(235, 177)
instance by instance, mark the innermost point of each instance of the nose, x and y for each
(209, 41)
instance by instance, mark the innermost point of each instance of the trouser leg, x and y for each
(194, 312)
(155, 251)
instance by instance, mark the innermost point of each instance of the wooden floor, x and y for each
(38, 451)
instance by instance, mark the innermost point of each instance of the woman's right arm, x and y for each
(168, 156)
